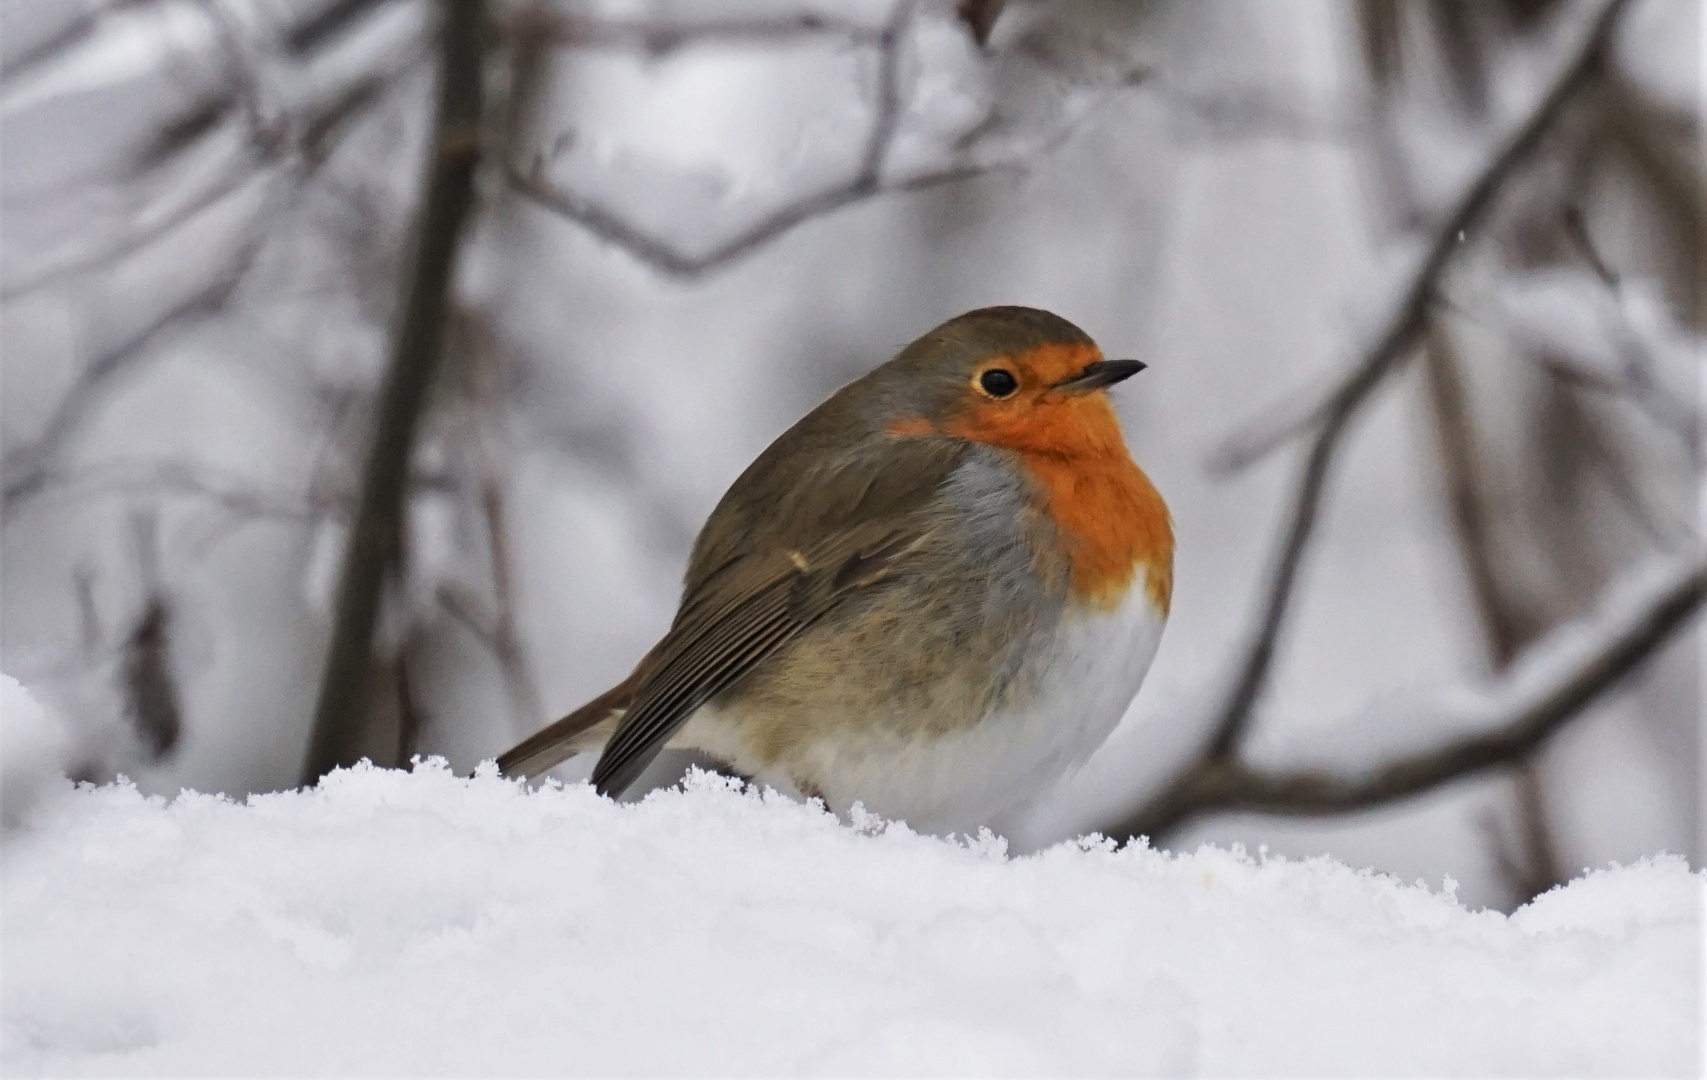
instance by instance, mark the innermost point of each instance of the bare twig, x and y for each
(156, 222)
(1618, 356)
(865, 183)
(488, 442)
(409, 717)
(548, 23)
(296, 143)
(1400, 331)
(1543, 702)
(28, 467)
(235, 494)
(980, 17)
(88, 614)
(150, 688)
(376, 533)
(1505, 628)
(327, 23)
(1331, 419)
(1639, 127)
(1529, 860)
(1576, 231)
(74, 33)
(661, 254)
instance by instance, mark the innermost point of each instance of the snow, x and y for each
(428, 923)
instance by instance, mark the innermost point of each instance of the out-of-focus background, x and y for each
(1420, 286)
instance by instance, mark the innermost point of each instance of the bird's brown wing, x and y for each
(798, 532)
(743, 614)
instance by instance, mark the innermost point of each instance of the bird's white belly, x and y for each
(987, 774)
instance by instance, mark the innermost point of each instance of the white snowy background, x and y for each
(1214, 217)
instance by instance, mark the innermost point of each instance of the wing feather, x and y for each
(755, 607)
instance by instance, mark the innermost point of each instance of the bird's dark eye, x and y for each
(998, 382)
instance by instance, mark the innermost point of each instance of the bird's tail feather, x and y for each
(587, 728)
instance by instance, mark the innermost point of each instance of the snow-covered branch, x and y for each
(870, 178)
(1611, 336)
(1544, 691)
(276, 144)
(1408, 311)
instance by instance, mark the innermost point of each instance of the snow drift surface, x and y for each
(395, 923)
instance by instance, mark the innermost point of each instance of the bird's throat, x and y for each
(1112, 522)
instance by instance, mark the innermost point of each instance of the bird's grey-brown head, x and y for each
(993, 369)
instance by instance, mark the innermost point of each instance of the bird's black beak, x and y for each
(1098, 375)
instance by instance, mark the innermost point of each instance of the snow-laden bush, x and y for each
(388, 922)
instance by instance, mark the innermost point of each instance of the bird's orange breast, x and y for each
(1111, 518)
(1112, 521)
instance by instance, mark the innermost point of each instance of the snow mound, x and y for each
(401, 923)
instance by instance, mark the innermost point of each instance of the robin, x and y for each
(935, 595)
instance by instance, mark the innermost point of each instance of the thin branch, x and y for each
(549, 24)
(483, 364)
(1624, 359)
(376, 534)
(151, 689)
(1635, 123)
(327, 23)
(662, 255)
(980, 17)
(1531, 862)
(300, 143)
(155, 223)
(865, 183)
(1576, 231)
(235, 494)
(1505, 629)
(1543, 700)
(28, 467)
(1332, 418)
(152, 700)
(1409, 313)
(70, 36)
(1529, 859)
(409, 715)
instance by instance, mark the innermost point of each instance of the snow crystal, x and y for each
(426, 923)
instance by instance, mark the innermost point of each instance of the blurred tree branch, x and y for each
(866, 182)
(30, 466)
(1529, 859)
(72, 35)
(980, 17)
(299, 142)
(375, 535)
(548, 23)
(1400, 331)
(1543, 697)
